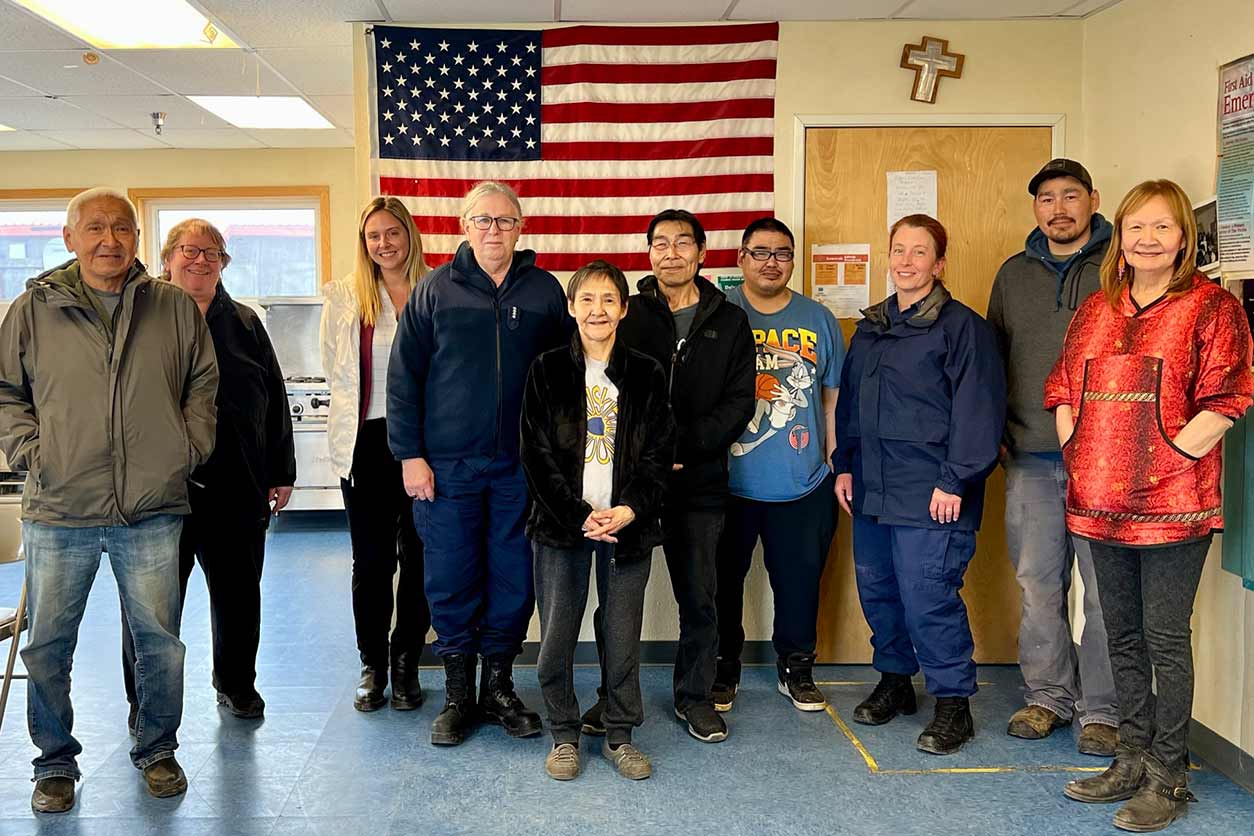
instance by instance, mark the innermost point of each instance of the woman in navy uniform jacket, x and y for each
(922, 406)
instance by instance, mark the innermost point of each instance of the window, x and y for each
(30, 236)
(278, 238)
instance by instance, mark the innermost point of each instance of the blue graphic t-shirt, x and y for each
(782, 454)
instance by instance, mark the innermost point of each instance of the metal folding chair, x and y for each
(12, 623)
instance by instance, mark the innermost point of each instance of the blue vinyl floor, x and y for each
(316, 766)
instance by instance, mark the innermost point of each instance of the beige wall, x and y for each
(1149, 94)
(331, 167)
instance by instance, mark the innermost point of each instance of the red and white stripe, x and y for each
(634, 120)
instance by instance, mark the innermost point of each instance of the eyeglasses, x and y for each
(485, 222)
(683, 245)
(781, 256)
(212, 254)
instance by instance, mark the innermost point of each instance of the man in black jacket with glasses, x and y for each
(706, 348)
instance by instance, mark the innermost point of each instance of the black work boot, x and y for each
(458, 715)
(406, 690)
(498, 703)
(1162, 798)
(796, 681)
(1119, 782)
(369, 695)
(892, 696)
(951, 727)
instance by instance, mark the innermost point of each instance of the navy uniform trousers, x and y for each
(908, 583)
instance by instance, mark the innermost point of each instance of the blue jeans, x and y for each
(61, 565)
(1056, 676)
(908, 583)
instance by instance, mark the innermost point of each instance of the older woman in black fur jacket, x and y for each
(597, 443)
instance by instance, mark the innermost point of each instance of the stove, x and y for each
(308, 400)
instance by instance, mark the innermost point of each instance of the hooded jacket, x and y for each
(109, 419)
(710, 375)
(253, 451)
(554, 433)
(922, 404)
(1133, 378)
(1030, 306)
(461, 354)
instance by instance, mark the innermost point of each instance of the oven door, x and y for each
(317, 487)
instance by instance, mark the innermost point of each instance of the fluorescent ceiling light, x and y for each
(132, 24)
(7, 128)
(282, 112)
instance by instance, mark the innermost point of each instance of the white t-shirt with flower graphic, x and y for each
(601, 404)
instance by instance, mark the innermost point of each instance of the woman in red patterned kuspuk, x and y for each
(1154, 370)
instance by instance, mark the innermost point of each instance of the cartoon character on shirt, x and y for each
(777, 403)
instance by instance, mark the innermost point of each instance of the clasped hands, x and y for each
(604, 524)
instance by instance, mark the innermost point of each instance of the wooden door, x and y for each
(982, 199)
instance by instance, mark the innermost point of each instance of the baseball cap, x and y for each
(1060, 168)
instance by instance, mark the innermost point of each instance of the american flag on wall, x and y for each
(598, 128)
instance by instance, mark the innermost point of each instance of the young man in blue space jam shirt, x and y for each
(780, 482)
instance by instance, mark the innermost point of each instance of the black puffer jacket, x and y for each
(554, 435)
(254, 448)
(711, 376)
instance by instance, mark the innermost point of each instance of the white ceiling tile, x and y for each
(643, 10)
(291, 22)
(477, 11)
(28, 141)
(136, 111)
(303, 139)
(1084, 8)
(121, 138)
(814, 9)
(229, 138)
(40, 114)
(47, 72)
(205, 72)
(339, 109)
(20, 29)
(10, 89)
(982, 9)
(316, 71)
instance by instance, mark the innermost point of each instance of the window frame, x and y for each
(149, 201)
(35, 199)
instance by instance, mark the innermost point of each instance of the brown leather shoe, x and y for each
(1098, 739)
(1161, 799)
(165, 778)
(52, 795)
(1034, 722)
(1119, 782)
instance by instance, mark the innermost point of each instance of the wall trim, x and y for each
(1222, 754)
(1057, 122)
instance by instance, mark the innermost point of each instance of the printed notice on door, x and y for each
(1235, 209)
(840, 278)
(909, 193)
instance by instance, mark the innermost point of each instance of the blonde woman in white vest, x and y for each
(358, 324)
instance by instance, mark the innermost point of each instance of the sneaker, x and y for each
(796, 681)
(593, 720)
(165, 778)
(52, 795)
(723, 694)
(1034, 722)
(703, 722)
(562, 764)
(1098, 739)
(628, 760)
(246, 707)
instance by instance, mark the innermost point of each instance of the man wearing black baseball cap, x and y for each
(1034, 296)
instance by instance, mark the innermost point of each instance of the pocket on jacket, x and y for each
(1119, 456)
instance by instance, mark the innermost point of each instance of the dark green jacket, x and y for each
(107, 418)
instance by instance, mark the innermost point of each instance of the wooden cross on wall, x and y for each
(930, 60)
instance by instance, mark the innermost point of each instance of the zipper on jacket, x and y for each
(496, 307)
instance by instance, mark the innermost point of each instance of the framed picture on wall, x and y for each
(1207, 237)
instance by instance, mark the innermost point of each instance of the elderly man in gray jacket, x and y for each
(107, 386)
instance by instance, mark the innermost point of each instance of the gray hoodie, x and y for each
(1030, 307)
(107, 418)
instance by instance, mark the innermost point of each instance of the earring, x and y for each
(1123, 265)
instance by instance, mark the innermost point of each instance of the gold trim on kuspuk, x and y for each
(1120, 397)
(1124, 516)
